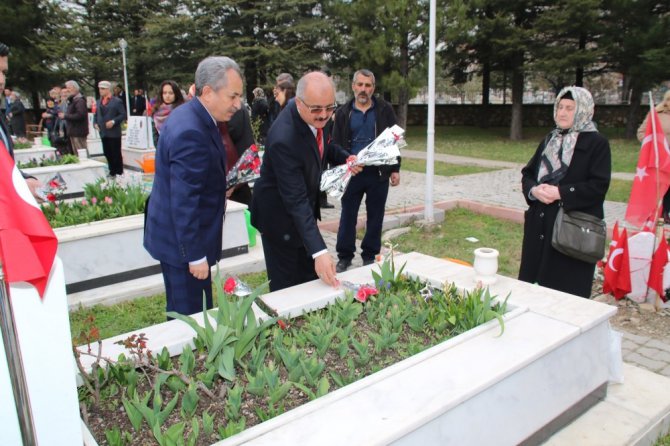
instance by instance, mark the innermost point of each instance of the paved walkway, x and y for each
(502, 188)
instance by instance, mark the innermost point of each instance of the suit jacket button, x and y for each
(541, 236)
(572, 189)
(287, 237)
(541, 214)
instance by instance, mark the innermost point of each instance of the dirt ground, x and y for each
(639, 319)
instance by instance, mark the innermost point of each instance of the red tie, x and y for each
(319, 141)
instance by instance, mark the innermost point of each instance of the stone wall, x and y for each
(534, 115)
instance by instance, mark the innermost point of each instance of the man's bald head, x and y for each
(316, 98)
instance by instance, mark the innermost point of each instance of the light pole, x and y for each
(123, 44)
(430, 133)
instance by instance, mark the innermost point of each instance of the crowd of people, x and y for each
(200, 134)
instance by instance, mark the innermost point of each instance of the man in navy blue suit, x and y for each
(285, 204)
(184, 215)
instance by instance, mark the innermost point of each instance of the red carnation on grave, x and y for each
(229, 285)
(364, 292)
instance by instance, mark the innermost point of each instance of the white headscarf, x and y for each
(558, 151)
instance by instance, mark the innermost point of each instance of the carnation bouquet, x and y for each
(52, 189)
(383, 151)
(246, 169)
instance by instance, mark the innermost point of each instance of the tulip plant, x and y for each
(244, 371)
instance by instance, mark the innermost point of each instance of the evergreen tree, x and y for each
(635, 44)
(390, 39)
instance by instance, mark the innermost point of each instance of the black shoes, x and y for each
(368, 261)
(342, 265)
(326, 205)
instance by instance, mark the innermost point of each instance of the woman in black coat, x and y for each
(571, 167)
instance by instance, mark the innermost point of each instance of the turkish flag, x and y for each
(658, 263)
(27, 243)
(617, 270)
(653, 166)
(150, 107)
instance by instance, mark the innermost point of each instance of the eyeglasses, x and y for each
(317, 109)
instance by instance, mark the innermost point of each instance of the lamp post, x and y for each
(123, 44)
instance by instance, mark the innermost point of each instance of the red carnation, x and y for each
(229, 286)
(364, 292)
(283, 325)
(51, 197)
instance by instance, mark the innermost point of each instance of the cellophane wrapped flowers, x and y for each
(383, 151)
(246, 169)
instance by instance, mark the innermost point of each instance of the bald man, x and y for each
(285, 204)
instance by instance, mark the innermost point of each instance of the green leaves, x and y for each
(277, 368)
(102, 200)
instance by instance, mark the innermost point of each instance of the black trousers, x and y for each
(375, 187)
(287, 266)
(111, 147)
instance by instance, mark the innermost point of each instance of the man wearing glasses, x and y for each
(357, 124)
(285, 204)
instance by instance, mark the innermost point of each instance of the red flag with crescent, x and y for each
(658, 263)
(617, 271)
(652, 175)
(27, 243)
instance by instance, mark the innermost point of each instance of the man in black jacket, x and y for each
(109, 116)
(357, 124)
(285, 205)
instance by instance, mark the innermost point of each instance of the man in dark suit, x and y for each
(185, 211)
(5, 138)
(138, 104)
(285, 205)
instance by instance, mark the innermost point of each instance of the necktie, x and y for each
(231, 150)
(319, 141)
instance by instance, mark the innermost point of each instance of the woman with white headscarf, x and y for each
(571, 168)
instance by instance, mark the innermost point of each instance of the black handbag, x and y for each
(579, 235)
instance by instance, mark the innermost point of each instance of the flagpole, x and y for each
(15, 364)
(146, 121)
(654, 139)
(655, 144)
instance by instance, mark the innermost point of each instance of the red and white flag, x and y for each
(150, 107)
(658, 263)
(27, 243)
(617, 271)
(652, 175)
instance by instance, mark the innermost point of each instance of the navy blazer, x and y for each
(113, 111)
(184, 215)
(285, 204)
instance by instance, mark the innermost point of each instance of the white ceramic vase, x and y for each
(486, 265)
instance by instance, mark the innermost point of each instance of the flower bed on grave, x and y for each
(244, 372)
(45, 161)
(102, 200)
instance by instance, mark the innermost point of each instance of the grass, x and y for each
(121, 318)
(619, 191)
(494, 144)
(448, 239)
(441, 168)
